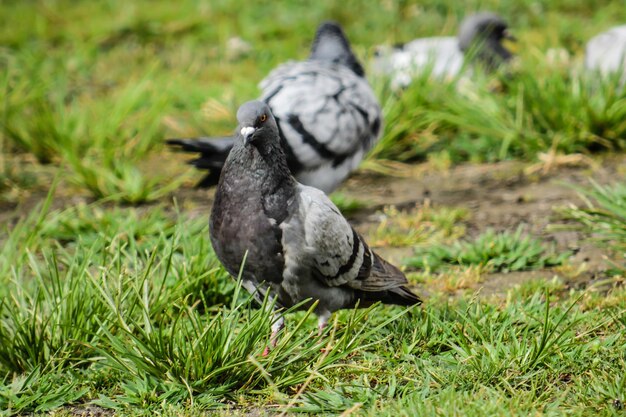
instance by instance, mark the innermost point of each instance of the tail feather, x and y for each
(217, 145)
(381, 277)
(401, 296)
(213, 153)
(387, 284)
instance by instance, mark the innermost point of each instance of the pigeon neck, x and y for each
(500, 50)
(333, 48)
(263, 163)
(492, 54)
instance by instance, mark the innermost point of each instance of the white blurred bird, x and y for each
(606, 52)
(480, 37)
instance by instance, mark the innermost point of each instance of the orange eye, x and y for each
(263, 117)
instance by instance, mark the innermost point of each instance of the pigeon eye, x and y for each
(263, 118)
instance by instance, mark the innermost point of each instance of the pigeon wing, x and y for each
(325, 242)
(325, 112)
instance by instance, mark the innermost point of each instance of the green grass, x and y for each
(102, 154)
(129, 311)
(534, 109)
(604, 214)
(498, 252)
(347, 204)
(419, 226)
(472, 357)
(604, 218)
(143, 304)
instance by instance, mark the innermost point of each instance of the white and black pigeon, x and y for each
(327, 114)
(480, 37)
(606, 52)
(298, 244)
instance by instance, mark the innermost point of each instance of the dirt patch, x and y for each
(499, 196)
(88, 410)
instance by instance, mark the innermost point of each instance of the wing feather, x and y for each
(336, 253)
(325, 103)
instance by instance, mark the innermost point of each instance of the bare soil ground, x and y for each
(501, 196)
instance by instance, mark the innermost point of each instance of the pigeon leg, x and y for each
(322, 321)
(277, 326)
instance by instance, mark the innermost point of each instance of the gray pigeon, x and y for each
(327, 114)
(480, 36)
(606, 52)
(298, 244)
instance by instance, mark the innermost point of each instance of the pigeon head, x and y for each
(483, 33)
(256, 123)
(331, 45)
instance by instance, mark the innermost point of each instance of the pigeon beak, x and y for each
(246, 133)
(509, 36)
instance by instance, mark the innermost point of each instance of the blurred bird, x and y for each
(480, 37)
(327, 115)
(298, 244)
(606, 52)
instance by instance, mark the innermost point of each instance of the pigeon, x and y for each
(327, 115)
(606, 52)
(480, 37)
(296, 244)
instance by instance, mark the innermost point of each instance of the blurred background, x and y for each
(91, 88)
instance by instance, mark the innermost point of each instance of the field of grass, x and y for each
(111, 298)
(129, 310)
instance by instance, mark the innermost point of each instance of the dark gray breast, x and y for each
(249, 205)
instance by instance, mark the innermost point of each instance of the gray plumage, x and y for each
(327, 114)
(480, 38)
(606, 52)
(298, 244)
